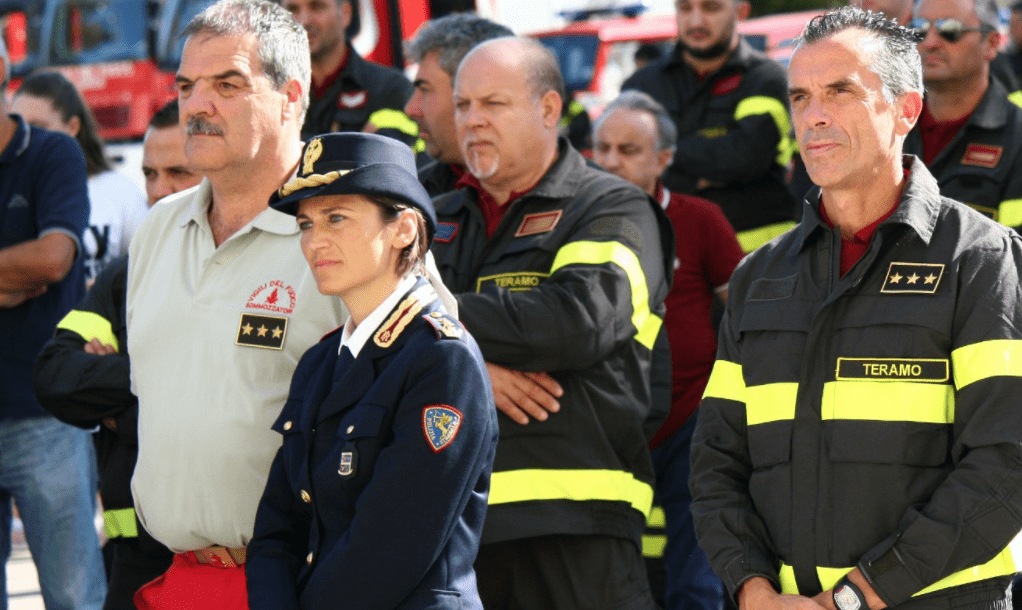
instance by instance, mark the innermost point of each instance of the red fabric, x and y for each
(937, 134)
(190, 585)
(852, 250)
(320, 89)
(708, 253)
(492, 211)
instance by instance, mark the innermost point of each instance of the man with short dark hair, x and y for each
(970, 132)
(438, 48)
(348, 93)
(164, 163)
(729, 103)
(857, 444)
(46, 466)
(557, 268)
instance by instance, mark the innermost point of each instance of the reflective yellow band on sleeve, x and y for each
(120, 523)
(726, 382)
(419, 146)
(890, 401)
(770, 402)
(979, 361)
(754, 238)
(1009, 213)
(647, 324)
(388, 118)
(90, 326)
(1015, 98)
(761, 104)
(653, 546)
(1003, 564)
(656, 517)
(575, 485)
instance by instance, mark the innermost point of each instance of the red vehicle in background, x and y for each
(596, 52)
(123, 54)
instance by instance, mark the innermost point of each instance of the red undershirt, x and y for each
(492, 211)
(319, 90)
(852, 250)
(937, 134)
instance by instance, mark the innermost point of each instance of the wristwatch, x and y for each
(849, 597)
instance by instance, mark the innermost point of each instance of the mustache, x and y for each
(198, 126)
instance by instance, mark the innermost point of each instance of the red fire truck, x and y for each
(122, 54)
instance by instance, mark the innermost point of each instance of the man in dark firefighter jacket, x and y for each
(82, 378)
(349, 93)
(559, 270)
(857, 443)
(970, 133)
(729, 103)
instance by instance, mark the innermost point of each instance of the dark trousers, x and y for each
(136, 561)
(563, 572)
(683, 572)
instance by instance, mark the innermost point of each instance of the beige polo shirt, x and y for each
(214, 336)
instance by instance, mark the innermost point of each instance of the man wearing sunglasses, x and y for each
(970, 134)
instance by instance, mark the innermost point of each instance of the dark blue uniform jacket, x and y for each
(377, 497)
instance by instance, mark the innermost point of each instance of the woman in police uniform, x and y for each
(376, 498)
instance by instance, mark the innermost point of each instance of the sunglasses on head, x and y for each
(950, 30)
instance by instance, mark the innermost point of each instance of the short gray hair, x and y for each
(453, 37)
(667, 133)
(544, 71)
(282, 43)
(896, 59)
(987, 13)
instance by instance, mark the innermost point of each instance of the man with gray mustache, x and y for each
(221, 304)
(559, 270)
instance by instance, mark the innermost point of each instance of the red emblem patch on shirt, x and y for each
(726, 85)
(440, 424)
(534, 224)
(981, 155)
(273, 296)
(352, 99)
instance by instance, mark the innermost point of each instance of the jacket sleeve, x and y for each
(606, 286)
(390, 119)
(727, 525)
(417, 496)
(758, 136)
(79, 388)
(977, 510)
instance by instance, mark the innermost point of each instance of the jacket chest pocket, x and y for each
(343, 462)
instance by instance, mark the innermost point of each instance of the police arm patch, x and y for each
(440, 424)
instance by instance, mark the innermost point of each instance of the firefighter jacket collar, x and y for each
(918, 208)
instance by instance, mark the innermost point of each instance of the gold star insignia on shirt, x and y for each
(277, 333)
(930, 273)
(895, 278)
(262, 331)
(912, 279)
(930, 279)
(247, 329)
(268, 332)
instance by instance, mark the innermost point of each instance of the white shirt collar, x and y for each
(355, 338)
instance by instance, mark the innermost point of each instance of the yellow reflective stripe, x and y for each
(646, 323)
(1015, 98)
(726, 381)
(928, 403)
(998, 358)
(770, 402)
(761, 104)
(1009, 213)
(120, 522)
(90, 326)
(754, 238)
(653, 546)
(388, 118)
(656, 517)
(575, 485)
(1003, 564)
(419, 146)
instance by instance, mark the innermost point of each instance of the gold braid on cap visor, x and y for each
(310, 181)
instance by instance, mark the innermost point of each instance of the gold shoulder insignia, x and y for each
(312, 154)
(446, 326)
